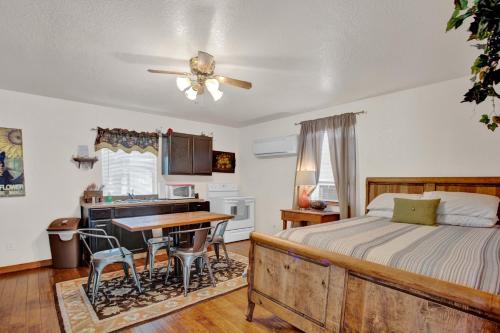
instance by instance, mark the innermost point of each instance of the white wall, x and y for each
(52, 130)
(419, 132)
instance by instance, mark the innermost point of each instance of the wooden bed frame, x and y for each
(320, 291)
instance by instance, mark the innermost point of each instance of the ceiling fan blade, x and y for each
(158, 71)
(234, 82)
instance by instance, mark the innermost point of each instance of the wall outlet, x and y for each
(11, 246)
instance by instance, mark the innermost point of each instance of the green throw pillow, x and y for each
(415, 211)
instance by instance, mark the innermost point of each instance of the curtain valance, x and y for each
(128, 141)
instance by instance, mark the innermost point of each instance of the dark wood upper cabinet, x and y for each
(186, 154)
(202, 155)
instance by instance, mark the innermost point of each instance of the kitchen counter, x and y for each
(137, 204)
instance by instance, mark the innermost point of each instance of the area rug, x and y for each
(120, 305)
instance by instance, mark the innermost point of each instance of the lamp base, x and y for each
(304, 202)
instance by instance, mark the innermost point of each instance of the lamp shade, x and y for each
(305, 178)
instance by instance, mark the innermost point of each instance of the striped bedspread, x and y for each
(462, 255)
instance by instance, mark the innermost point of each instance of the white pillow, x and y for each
(385, 201)
(380, 213)
(465, 221)
(466, 204)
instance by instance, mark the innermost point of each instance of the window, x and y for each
(325, 190)
(124, 173)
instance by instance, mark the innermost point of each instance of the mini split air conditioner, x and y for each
(275, 147)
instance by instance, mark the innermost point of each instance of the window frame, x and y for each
(153, 168)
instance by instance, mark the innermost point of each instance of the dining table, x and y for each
(170, 222)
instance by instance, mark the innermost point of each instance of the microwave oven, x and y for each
(180, 191)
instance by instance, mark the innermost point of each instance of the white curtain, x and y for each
(341, 133)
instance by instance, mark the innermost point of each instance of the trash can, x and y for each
(64, 242)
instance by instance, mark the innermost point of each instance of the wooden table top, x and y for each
(150, 222)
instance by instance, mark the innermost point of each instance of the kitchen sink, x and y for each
(137, 200)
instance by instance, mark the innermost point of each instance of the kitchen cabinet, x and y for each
(186, 154)
(202, 155)
(101, 218)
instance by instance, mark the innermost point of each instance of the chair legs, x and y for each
(186, 272)
(168, 268)
(130, 262)
(125, 270)
(207, 262)
(97, 280)
(91, 276)
(186, 269)
(95, 274)
(216, 250)
(225, 252)
(151, 257)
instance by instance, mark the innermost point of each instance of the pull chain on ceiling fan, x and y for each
(202, 76)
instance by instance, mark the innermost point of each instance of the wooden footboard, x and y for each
(320, 291)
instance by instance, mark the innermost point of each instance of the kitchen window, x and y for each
(325, 189)
(124, 173)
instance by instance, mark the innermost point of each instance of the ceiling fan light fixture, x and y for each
(212, 85)
(191, 93)
(183, 83)
(216, 94)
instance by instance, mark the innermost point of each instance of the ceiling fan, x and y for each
(202, 76)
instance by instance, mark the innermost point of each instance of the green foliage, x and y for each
(485, 26)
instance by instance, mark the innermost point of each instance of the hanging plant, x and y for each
(485, 28)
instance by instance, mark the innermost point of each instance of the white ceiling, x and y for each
(300, 55)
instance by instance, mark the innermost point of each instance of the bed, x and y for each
(368, 274)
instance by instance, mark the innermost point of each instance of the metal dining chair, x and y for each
(157, 242)
(99, 260)
(217, 239)
(188, 255)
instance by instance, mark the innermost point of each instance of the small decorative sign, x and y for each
(11, 163)
(223, 162)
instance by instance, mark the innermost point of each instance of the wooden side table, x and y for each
(305, 216)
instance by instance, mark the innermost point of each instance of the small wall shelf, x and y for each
(90, 161)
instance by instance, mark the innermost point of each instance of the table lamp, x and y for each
(305, 179)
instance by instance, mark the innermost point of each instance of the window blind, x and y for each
(124, 173)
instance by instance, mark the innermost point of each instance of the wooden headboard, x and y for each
(379, 185)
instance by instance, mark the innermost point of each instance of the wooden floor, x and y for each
(28, 305)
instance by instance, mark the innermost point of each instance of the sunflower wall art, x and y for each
(11, 162)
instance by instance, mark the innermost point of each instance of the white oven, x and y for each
(224, 199)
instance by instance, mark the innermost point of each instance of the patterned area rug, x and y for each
(119, 304)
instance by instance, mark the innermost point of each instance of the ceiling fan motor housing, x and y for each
(199, 69)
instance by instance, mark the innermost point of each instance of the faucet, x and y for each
(131, 195)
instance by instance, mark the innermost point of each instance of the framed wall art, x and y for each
(223, 162)
(11, 163)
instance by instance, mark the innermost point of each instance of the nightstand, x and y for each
(305, 216)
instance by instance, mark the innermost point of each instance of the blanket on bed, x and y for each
(463, 255)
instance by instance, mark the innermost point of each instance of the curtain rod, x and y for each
(300, 122)
(158, 130)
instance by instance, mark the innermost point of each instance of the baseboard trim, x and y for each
(25, 266)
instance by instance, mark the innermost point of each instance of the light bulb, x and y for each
(212, 85)
(191, 94)
(183, 83)
(216, 94)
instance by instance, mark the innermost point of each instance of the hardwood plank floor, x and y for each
(28, 305)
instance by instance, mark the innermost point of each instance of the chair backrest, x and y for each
(85, 233)
(220, 228)
(157, 232)
(200, 242)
